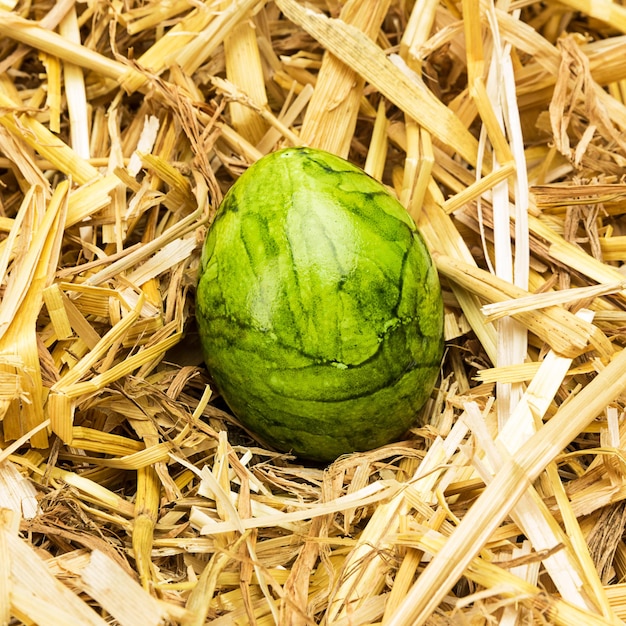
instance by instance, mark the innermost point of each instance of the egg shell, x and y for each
(318, 306)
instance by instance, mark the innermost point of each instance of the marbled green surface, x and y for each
(318, 306)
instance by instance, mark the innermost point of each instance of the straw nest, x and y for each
(129, 495)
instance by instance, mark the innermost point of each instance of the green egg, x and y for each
(318, 306)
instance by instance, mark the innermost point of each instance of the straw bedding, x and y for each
(128, 493)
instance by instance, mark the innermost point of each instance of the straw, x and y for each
(130, 493)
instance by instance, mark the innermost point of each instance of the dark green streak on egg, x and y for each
(318, 306)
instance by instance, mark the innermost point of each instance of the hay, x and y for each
(128, 493)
